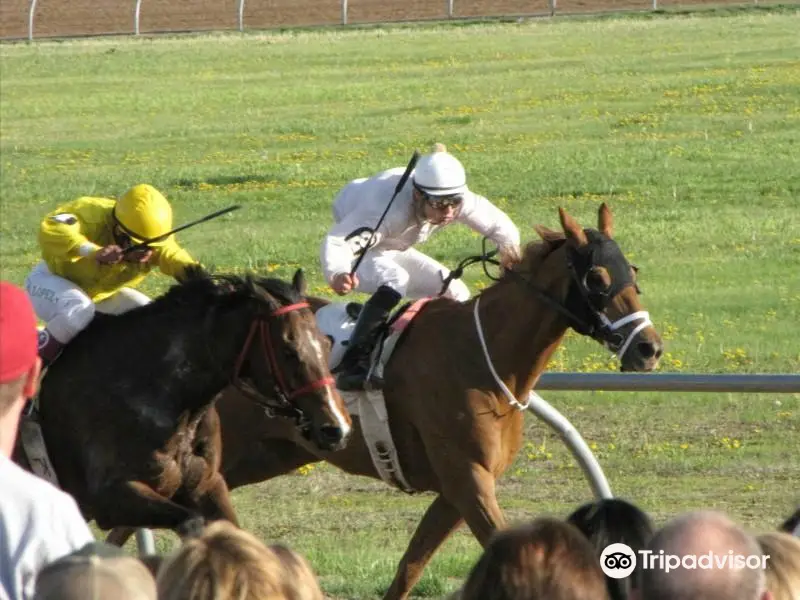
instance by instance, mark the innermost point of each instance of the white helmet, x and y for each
(440, 173)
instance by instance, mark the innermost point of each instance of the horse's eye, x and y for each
(597, 280)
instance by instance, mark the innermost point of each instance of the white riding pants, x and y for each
(66, 309)
(409, 272)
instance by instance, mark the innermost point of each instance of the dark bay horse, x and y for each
(126, 411)
(455, 430)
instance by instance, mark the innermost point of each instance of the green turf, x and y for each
(687, 126)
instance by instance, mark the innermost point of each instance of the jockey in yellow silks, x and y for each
(85, 267)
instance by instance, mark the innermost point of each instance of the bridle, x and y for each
(282, 404)
(598, 326)
(583, 307)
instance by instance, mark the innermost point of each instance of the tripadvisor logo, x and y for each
(619, 560)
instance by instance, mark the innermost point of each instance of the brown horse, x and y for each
(454, 428)
(126, 411)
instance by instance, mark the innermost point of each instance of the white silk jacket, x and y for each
(360, 204)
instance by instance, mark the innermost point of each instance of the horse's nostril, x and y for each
(331, 433)
(648, 349)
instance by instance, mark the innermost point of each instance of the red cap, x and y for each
(18, 345)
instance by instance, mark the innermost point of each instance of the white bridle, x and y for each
(641, 315)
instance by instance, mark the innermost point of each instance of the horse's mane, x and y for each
(204, 291)
(533, 255)
(201, 287)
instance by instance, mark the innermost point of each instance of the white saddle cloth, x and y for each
(369, 406)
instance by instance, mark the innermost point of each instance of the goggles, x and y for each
(122, 239)
(442, 202)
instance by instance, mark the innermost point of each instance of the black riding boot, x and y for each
(355, 363)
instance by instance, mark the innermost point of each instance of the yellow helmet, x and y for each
(143, 213)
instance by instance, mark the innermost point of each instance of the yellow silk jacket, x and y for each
(70, 235)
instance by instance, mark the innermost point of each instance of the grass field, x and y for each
(688, 126)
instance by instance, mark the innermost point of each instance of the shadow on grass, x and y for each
(223, 181)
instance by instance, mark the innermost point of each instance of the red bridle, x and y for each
(261, 324)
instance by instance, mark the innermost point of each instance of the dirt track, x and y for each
(94, 17)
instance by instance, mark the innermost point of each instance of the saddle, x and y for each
(337, 321)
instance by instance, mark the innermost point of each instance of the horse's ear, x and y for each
(605, 221)
(299, 282)
(572, 230)
(548, 235)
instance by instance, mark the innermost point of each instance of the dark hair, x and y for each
(545, 560)
(614, 521)
(792, 524)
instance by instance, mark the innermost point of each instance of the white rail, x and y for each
(450, 13)
(639, 382)
(671, 382)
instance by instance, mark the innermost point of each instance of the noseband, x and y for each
(283, 407)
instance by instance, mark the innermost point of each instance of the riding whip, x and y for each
(411, 164)
(145, 244)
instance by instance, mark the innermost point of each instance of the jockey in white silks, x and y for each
(435, 195)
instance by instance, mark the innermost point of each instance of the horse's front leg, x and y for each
(440, 520)
(476, 499)
(135, 504)
(215, 500)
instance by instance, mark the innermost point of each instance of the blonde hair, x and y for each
(546, 560)
(783, 564)
(299, 581)
(222, 562)
(227, 562)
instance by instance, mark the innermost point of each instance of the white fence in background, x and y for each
(635, 382)
(450, 8)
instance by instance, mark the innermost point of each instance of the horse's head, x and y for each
(285, 356)
(602, 297)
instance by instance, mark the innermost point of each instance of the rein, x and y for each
(488, 258)
(284, 406)
(603, 330)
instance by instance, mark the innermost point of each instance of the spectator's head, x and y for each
(704, 534)
(222, 562)
(614, 521)
(792, 524)
(545, 560)
(783, 564)
(299, 580)
(19, 360)
(96, 572)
